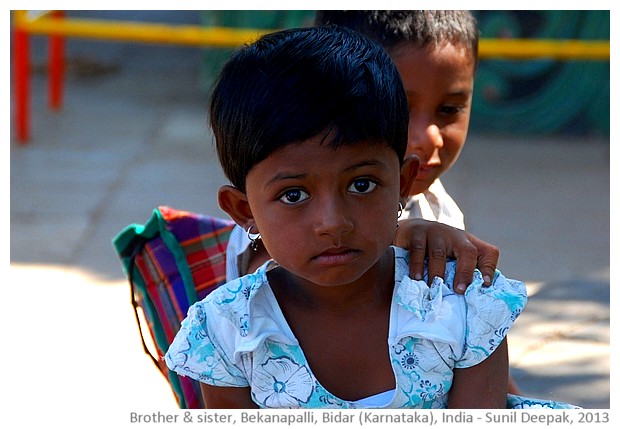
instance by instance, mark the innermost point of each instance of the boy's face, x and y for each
(327, 215)
(439, 84)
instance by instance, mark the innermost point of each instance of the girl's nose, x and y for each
(332, 218)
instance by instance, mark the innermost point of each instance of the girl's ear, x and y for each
(408, 173)
(235, 203)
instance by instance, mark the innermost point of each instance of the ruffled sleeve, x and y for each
(216, 341)
(489, 312)
(200, 349)
(471, 325)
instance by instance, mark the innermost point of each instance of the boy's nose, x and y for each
(424, 136)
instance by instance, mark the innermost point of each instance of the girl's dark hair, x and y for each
(424, 28)
(296, 84)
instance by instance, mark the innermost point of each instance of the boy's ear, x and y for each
(408, 173)
(235, 203)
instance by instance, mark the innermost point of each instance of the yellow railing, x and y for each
(44, 24)
(49, 23)
(131, 31)
(521, 49)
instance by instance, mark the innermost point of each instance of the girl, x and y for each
(311, 130)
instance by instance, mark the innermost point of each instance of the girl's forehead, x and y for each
(324, 146)
(316, 154)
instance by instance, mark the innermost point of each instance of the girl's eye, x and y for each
(293, 196)
(362, 186)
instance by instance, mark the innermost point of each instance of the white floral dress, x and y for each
(238, 337)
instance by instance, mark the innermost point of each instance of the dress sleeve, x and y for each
(198, 352)
(490, 312)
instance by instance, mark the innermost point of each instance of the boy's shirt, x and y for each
(435, 204)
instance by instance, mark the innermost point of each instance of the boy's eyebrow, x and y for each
(461, 92)
(466, 92)
(288, 176)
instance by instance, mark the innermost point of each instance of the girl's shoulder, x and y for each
(232, 300)
(512, 292)
(436, 312)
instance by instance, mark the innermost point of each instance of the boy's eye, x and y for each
(450, 110)
(362, 186)
(293, 196)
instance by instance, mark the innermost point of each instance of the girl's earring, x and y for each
(253, 238)
(400, 212)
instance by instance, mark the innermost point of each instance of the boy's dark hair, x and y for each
(295, 84)
(423, 27)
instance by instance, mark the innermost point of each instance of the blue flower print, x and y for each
(409, 361)
(282, 383)
(527, 404)
(429, 391)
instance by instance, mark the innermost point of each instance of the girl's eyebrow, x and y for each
(284, 176)
(292, 176)
(367, 163)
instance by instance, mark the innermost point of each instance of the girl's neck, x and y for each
(374, 288)
(330, 321)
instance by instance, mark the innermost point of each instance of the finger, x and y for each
(467, 258)
(488, 257)
(487, 264)
(411, 235)
(437, 254)
(417, 256)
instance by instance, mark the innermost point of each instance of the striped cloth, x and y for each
(172, 261)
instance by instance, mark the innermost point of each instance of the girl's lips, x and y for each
(336, 256)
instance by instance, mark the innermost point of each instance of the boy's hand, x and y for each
(438, 241)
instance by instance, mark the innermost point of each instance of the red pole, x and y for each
(21, 54)
(56, 66)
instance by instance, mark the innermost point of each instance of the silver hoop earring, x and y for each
(400, 213)
(253, 238)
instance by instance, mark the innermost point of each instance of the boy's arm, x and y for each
(484, 385)
(226, 397)
(438, 241)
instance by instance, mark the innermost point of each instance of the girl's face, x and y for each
(439, 84)
(326, 215)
